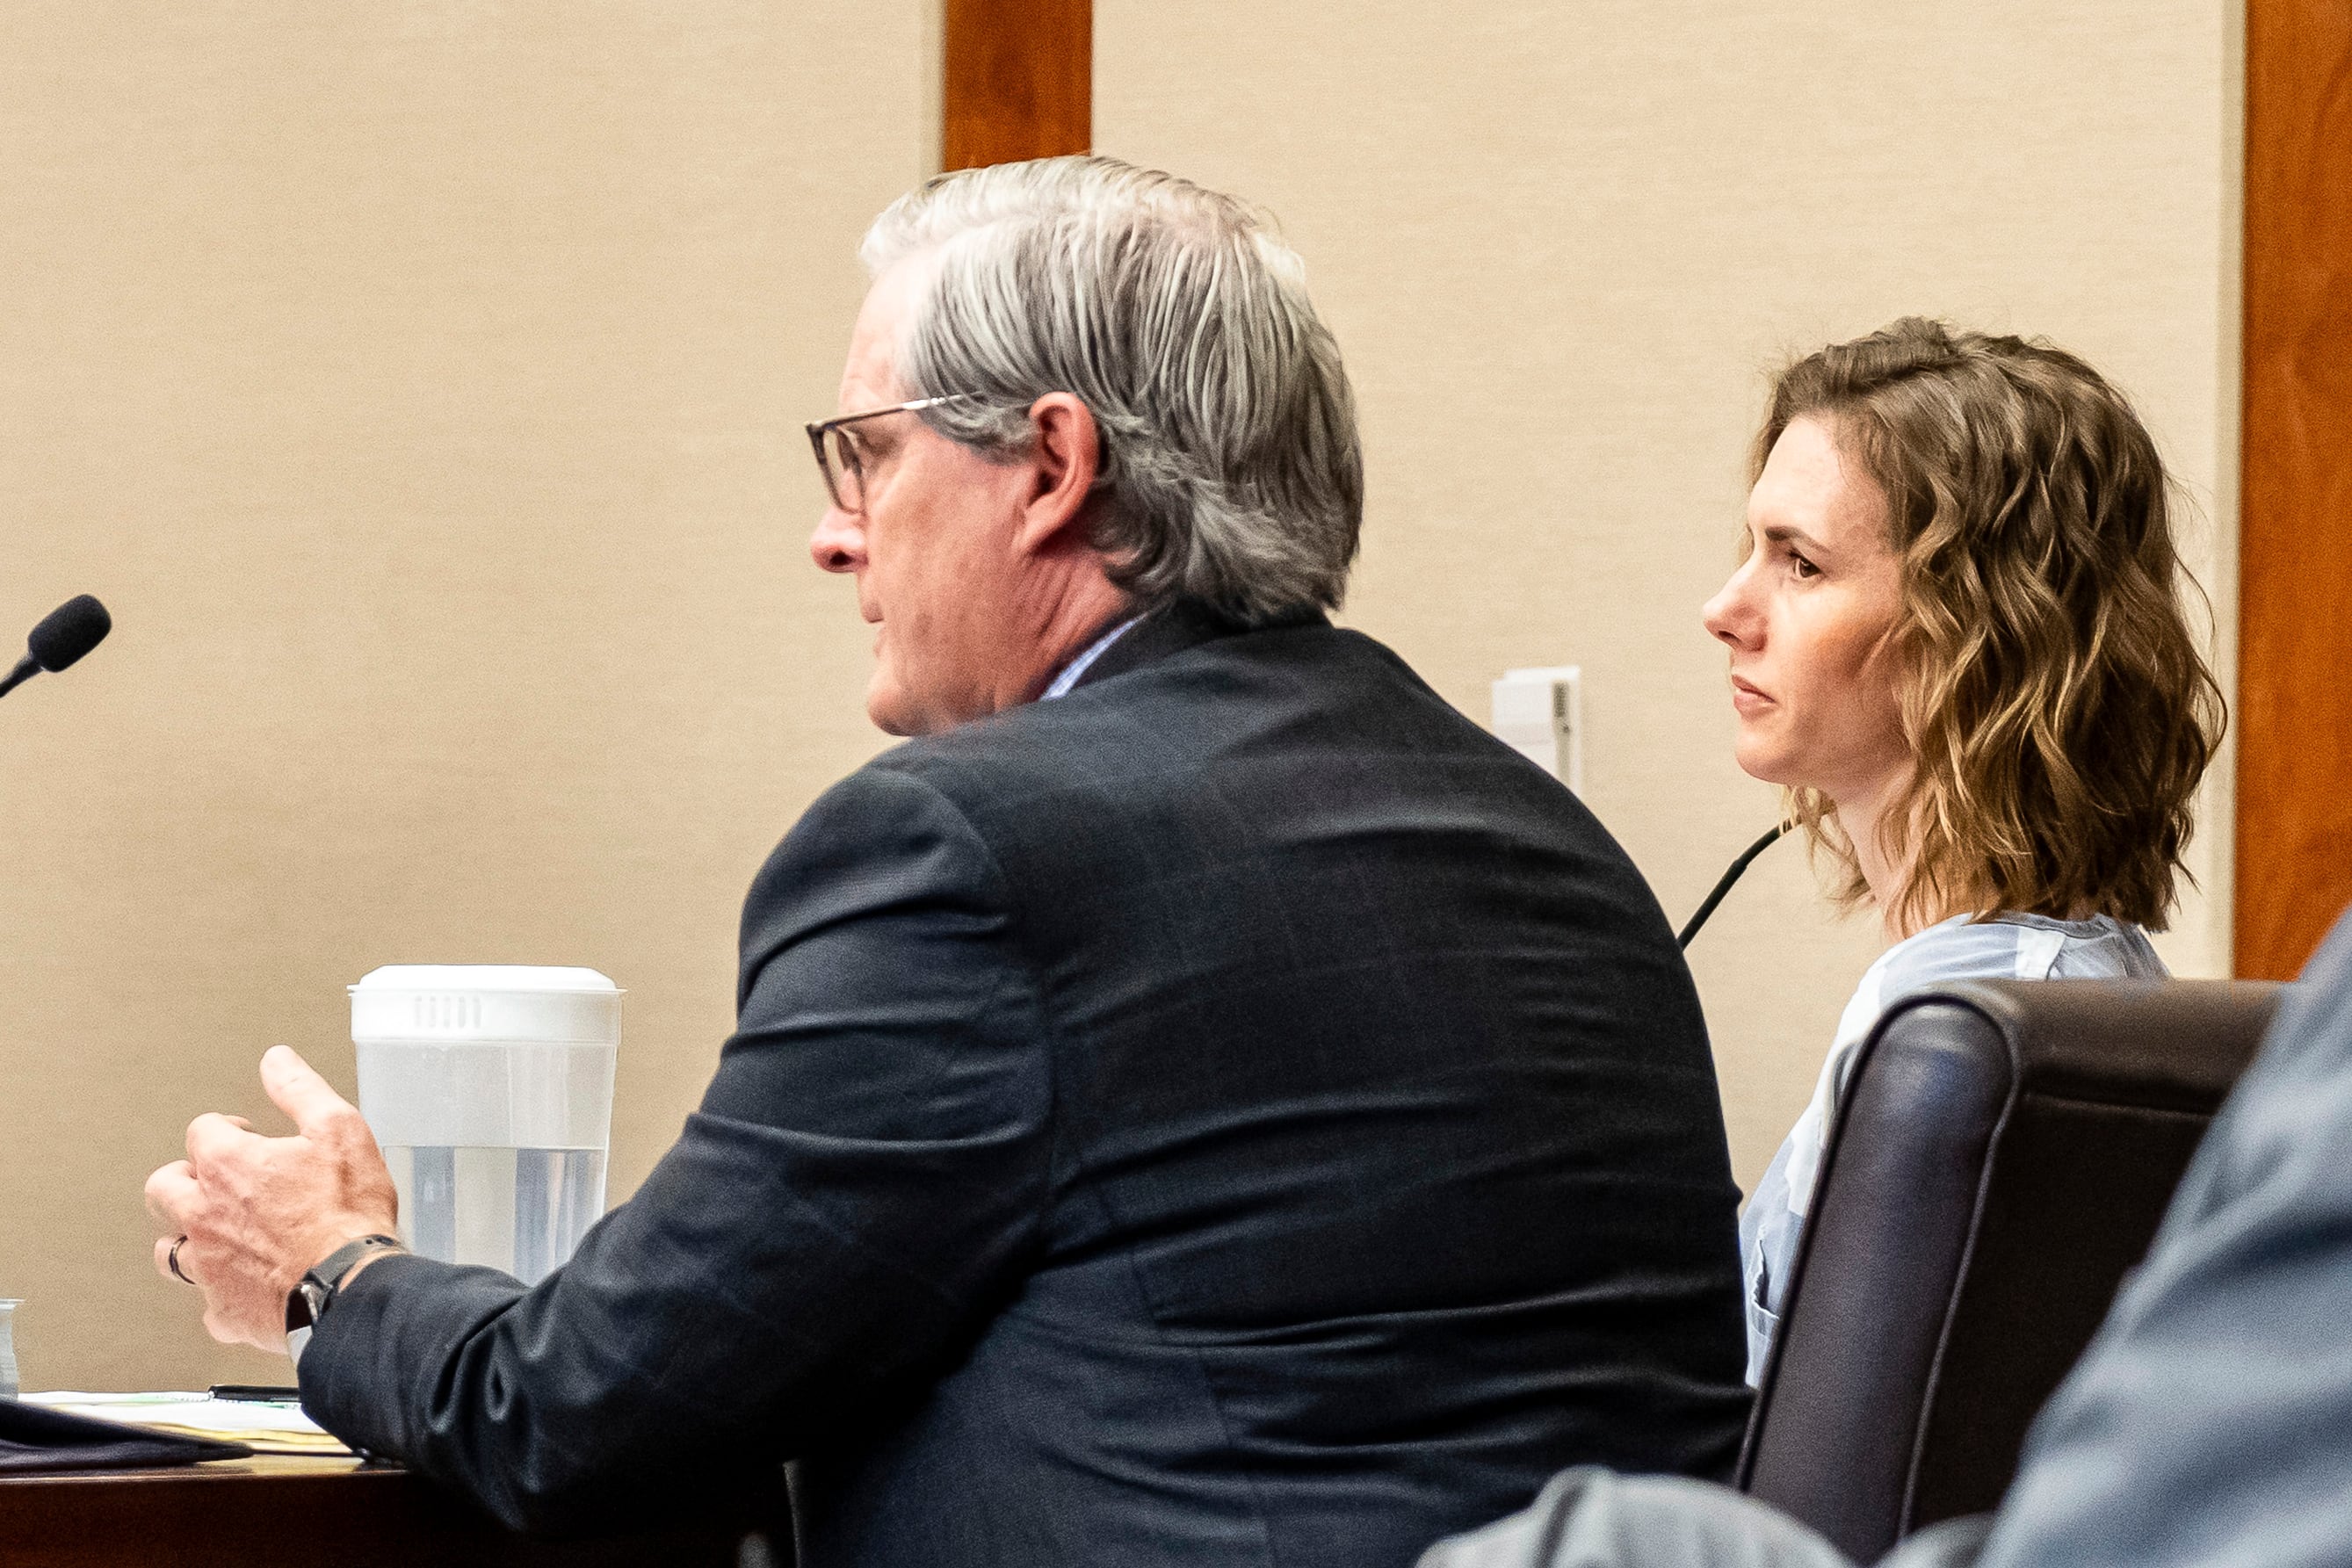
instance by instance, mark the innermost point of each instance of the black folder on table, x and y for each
(33, 1438)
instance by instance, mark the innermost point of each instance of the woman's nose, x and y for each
(1729, 617)
(839, 543)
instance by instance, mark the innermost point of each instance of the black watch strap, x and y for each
(307, 1302)
(339, 1262)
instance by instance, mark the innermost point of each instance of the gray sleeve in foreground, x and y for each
(2206, 1424)
(1593, 1518)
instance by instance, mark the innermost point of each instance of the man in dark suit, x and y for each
(1202, 1099)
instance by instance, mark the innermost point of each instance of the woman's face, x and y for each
(1807, 617)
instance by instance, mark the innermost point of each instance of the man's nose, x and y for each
(1730, 617)
(839, 543)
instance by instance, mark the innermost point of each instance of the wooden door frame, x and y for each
(1017, 80)
(2293, 829)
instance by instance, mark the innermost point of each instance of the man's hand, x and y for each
(258, 1213)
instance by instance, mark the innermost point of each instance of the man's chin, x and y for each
(890, 711)
(885, 718)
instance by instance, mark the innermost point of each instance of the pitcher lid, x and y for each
(482, 978)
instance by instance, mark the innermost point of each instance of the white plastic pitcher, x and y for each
(490, 1089)
(8, 1347)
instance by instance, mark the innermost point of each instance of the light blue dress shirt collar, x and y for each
(1078, 666)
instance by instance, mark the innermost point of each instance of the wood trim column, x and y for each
(2293, 871)
(1018, 82)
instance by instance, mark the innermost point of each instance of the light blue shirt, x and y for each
(1078, 666)
(2007, 948)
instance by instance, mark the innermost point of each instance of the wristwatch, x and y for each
(313, 1294)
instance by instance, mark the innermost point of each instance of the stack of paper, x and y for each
(267, 1427)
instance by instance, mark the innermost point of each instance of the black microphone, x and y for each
(1758, 848)
(65, 634)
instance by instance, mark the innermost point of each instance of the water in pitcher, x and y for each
(518, 1210)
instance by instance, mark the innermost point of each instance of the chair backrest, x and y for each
(2002, 1157)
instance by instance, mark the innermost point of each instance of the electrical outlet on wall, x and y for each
(1539, 714)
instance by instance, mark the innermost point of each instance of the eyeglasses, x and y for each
(836, 449)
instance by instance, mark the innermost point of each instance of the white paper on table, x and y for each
(268, 1426)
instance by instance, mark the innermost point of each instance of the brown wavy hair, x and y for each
(2057, 704)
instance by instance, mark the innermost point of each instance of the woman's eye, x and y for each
(1803, 568)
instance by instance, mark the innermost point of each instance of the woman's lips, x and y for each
(1746, 698)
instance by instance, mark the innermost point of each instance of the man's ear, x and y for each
(1063, 464)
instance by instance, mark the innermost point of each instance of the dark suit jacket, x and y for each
(1238, 1113)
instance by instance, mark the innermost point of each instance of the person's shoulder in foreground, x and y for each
(1388, 1168)
(2204, 1425)
(2207, 1422)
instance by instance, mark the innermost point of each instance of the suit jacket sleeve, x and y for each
(859, 1189)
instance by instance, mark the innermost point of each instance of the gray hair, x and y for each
(1229, 469)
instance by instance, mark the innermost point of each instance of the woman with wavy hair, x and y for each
(1957, 643)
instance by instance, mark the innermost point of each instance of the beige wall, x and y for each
(1560, 245)
(420, 384)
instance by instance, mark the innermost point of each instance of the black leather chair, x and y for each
(2003, 1154)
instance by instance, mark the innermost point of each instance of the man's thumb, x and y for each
(296, 1088)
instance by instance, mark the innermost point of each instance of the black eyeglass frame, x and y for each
(819, 431)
